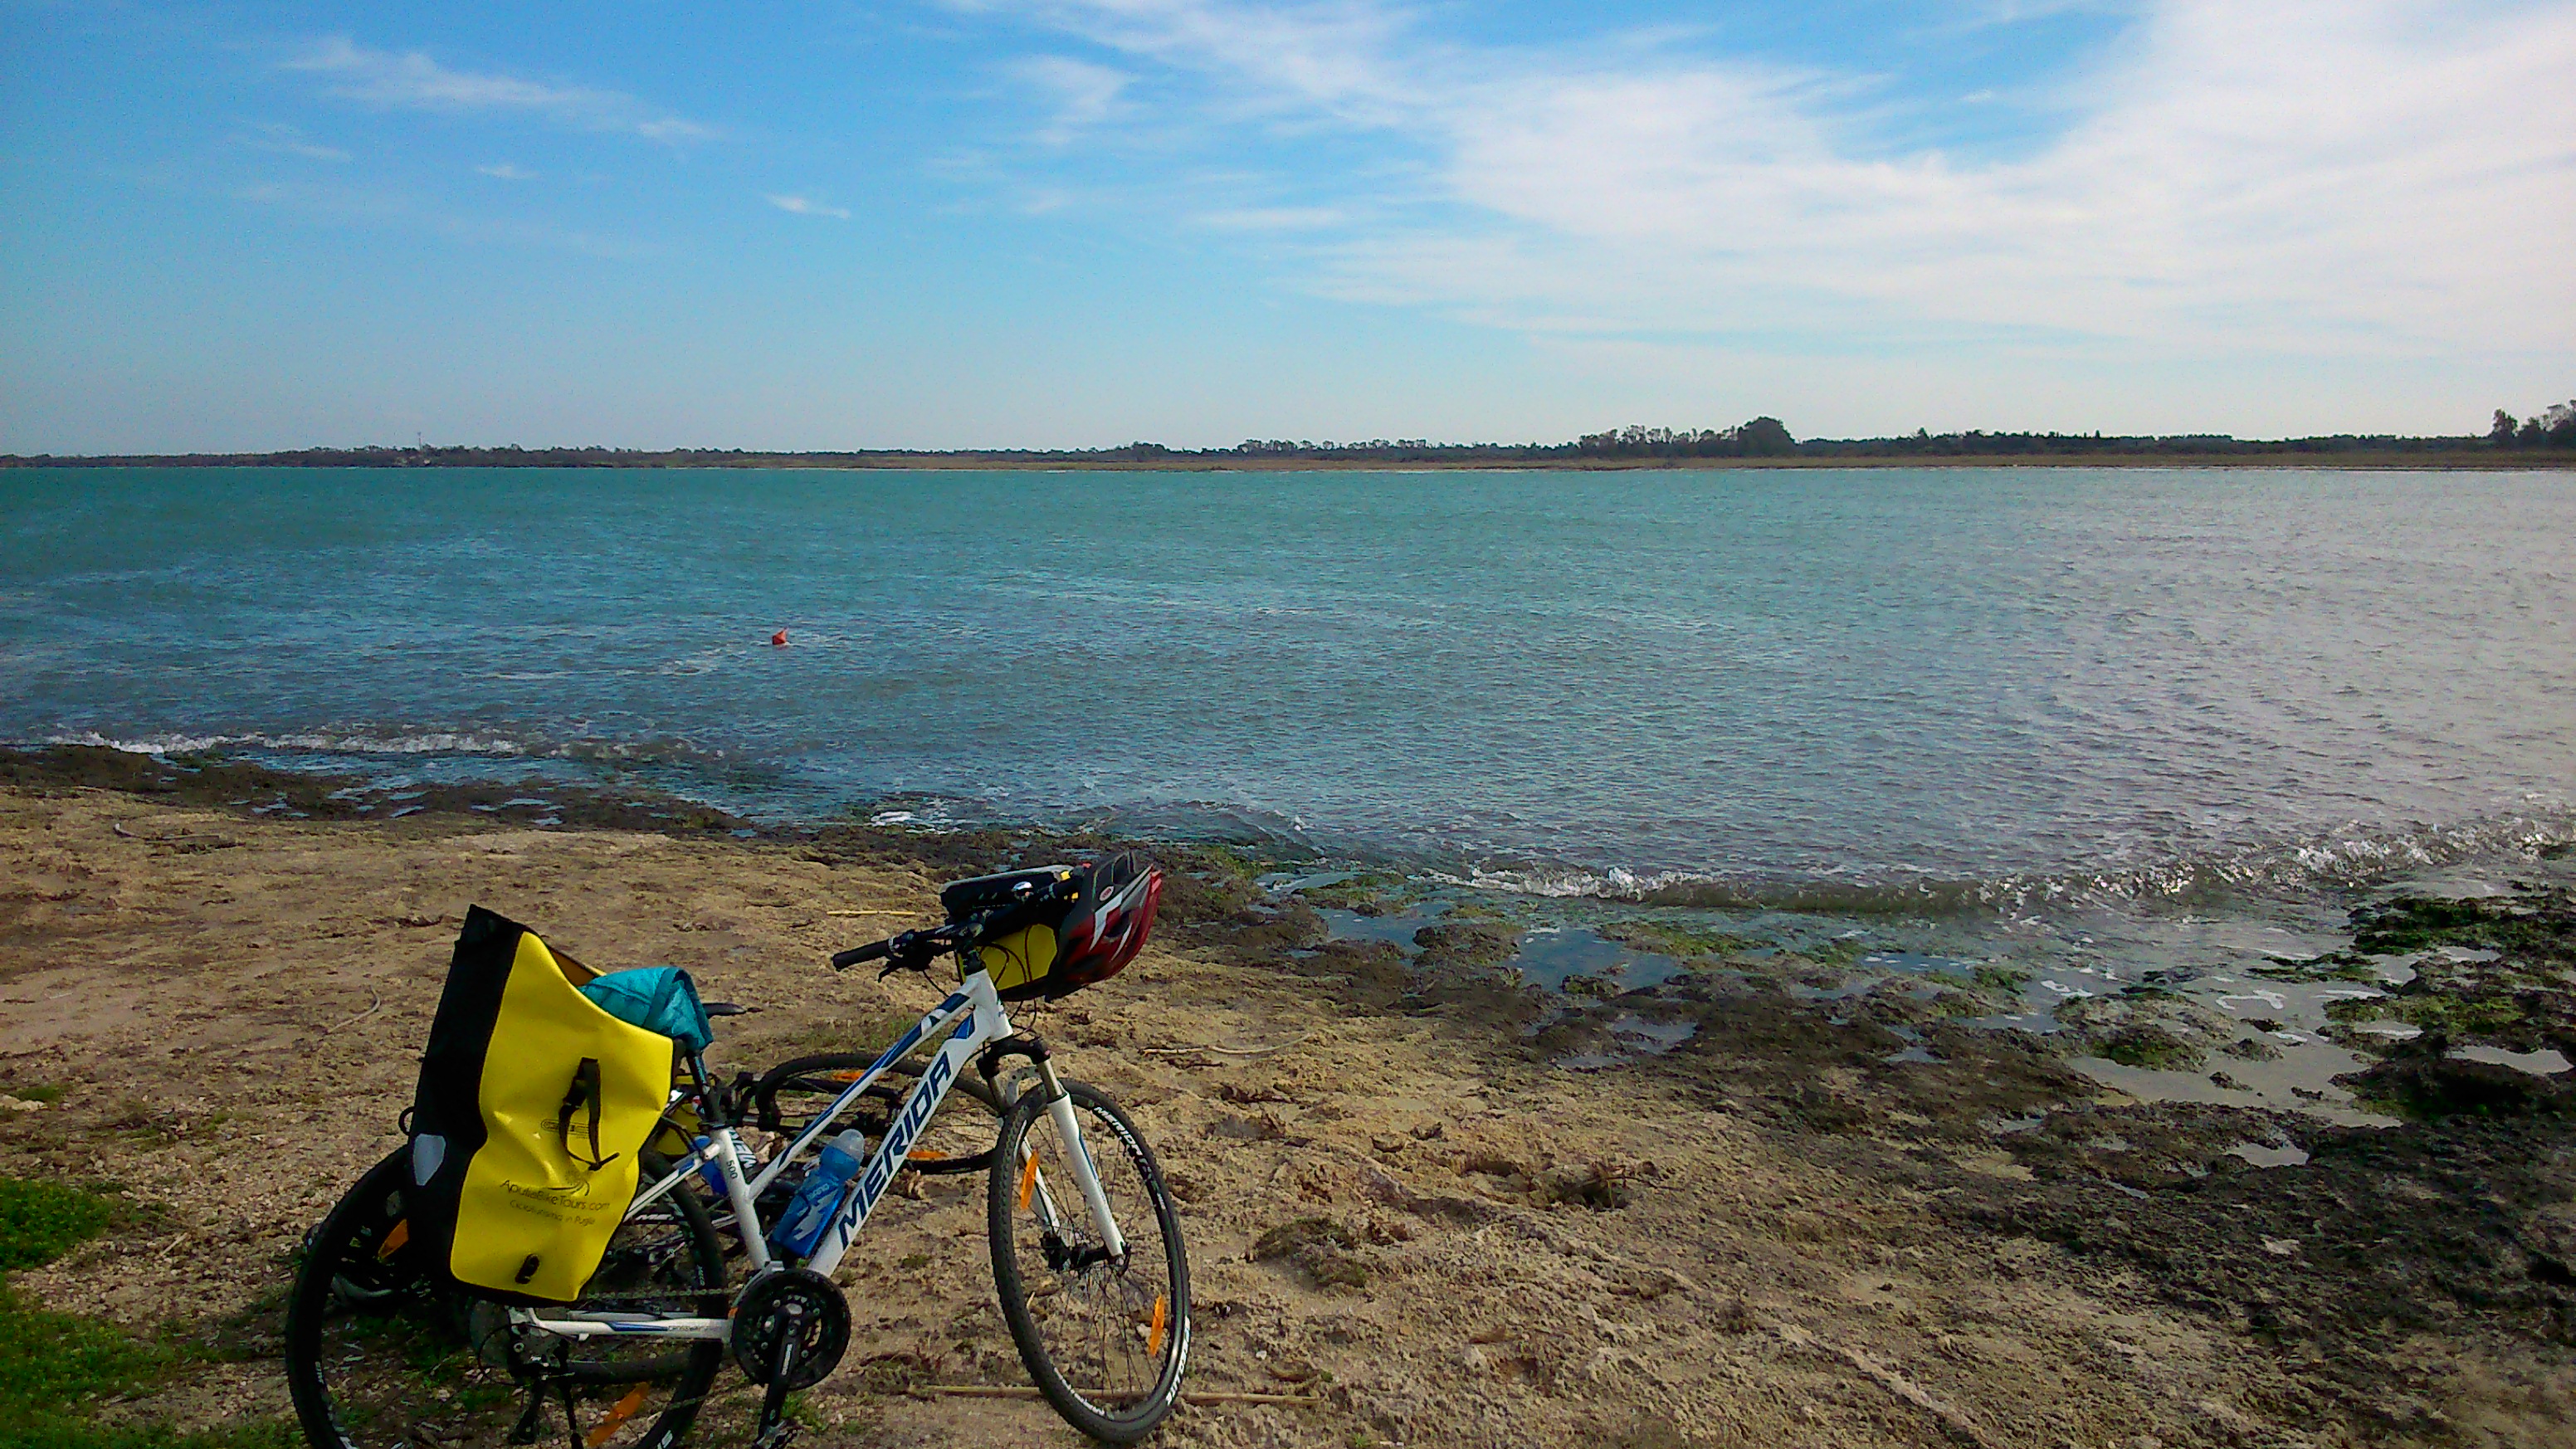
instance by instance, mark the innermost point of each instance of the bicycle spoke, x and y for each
(1108, 1330)
(384, 1356)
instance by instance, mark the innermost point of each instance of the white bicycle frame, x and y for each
(971, 1019)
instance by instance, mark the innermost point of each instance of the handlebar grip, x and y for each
(874, 950)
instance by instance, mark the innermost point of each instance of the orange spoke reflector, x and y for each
(1028, 1179)
(623, 1410)
(925, 1154)
(398, 1235)
(844, 1076)
(1162, 1318)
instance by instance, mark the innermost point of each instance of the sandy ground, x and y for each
(234, 1007)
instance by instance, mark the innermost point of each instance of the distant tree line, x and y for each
(2555, 427)
(1764, 437)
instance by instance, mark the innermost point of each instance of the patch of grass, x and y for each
(41, 1221)
(59, 1433)
(55, 1366)
(44, 1092)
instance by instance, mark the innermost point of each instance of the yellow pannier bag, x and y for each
(532, 1106)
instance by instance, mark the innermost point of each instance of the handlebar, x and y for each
(908, 950)
(844, 960)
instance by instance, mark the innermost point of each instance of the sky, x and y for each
(1078, 223)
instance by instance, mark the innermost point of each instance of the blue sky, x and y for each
(942, 223)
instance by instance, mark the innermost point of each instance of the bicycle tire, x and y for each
(448, 1385)
(1089, 1313)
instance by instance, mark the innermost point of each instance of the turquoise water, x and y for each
(2122, 679)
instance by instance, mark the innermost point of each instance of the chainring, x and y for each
(796, 1301)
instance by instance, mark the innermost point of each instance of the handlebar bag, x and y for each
(1051, 931)
(532, 1105)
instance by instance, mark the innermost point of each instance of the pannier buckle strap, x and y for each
(584, 1091)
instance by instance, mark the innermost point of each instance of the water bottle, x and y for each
(810, 1211)
(708, 1170)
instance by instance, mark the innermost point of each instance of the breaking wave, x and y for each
(2344, 859)
(497, 745)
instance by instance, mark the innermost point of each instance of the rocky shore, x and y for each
(1820, 1215)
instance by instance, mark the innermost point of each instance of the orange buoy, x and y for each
(779, 639)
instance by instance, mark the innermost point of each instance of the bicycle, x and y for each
(1097, 1301)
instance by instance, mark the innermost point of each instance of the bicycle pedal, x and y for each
(776, 1436)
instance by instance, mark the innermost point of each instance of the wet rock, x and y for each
(1367, 975)
(2493, 972)
(2151, 1029)
(2429, 1085)
(1448, 945)
(2441, 1227)
(1370, 893)
(2139, 1146)
(1680, 940)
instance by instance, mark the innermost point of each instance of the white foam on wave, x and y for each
(2353, 856)
(436, 742)
(483, 744)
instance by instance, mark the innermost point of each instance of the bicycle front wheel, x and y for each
(382, 1354)
(1106, 1336)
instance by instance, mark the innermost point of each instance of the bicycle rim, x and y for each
(381, 1355)
(1107, 1340)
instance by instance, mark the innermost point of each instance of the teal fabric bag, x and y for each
(656, 998)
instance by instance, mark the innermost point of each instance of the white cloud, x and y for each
(1078, 93)
(413, 81)
(503, 170)
(805, 206)
(2314, 177)
(288, 141)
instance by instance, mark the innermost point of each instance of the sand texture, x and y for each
(1396, 1209)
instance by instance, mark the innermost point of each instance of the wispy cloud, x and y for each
(504, 171)
(412, 81)
(807, 206)
(2312, 176)
(1272, 218)
(284, 140)
(1076, 93)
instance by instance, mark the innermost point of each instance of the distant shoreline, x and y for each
(2466, 460)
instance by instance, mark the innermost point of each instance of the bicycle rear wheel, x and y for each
(382, 1354)
(1106, 1338)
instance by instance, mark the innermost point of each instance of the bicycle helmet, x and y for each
(1058, 928)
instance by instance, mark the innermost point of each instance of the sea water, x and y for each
(2115, 680)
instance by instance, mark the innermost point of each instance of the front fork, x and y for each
(1086, 1177)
